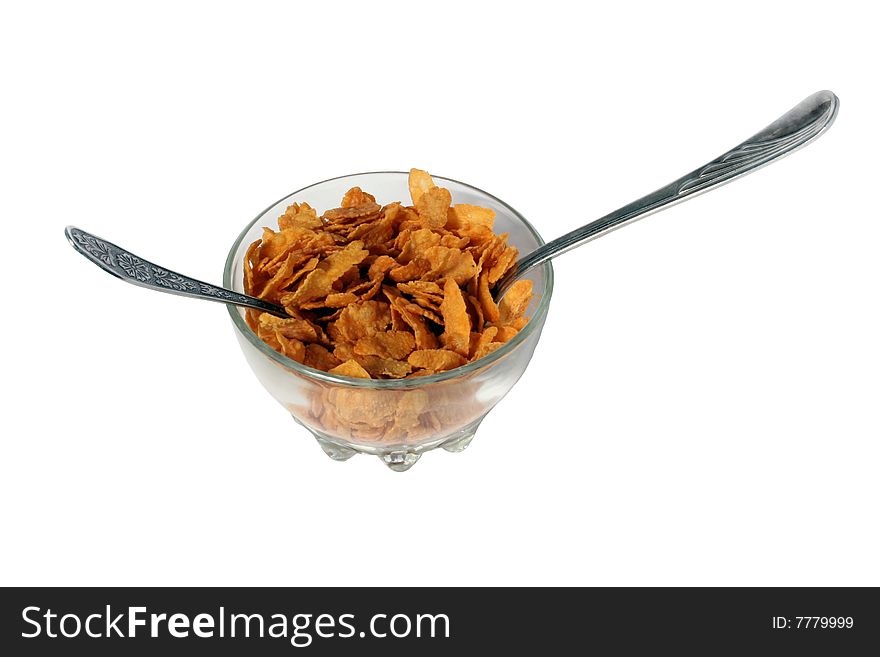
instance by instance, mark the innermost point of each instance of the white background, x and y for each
(703, 405)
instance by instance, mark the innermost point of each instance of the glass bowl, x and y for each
(395, 419)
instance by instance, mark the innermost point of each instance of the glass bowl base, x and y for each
(399, 458)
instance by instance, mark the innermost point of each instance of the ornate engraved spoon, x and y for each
(791, 131)
(137, 271)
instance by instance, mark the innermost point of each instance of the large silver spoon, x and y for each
(791, 131)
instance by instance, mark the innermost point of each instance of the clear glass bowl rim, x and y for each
(402, 384)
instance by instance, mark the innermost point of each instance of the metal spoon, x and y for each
(137, 271)
(791, 131)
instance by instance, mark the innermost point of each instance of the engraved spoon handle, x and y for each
(794, 129)
(137, 271)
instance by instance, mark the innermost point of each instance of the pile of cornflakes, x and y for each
(390, 291)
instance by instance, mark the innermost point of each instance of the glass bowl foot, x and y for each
(462, 438)
(459, 444)
(400, 461)
(334, 451)
(399, 458)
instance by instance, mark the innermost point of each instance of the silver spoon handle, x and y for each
(794, 129)
(137, 271)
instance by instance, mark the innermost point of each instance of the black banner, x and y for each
(398, 621)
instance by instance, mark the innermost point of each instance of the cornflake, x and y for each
(393, 291)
